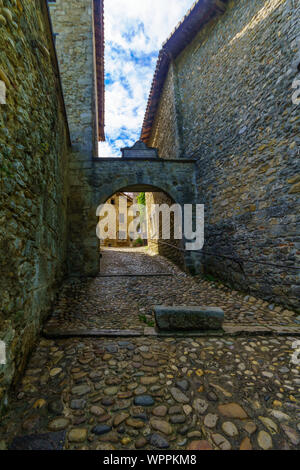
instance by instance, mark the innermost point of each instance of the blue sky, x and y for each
(134, 33)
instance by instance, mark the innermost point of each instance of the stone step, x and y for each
(137, 275)
(227, 330)
(51, 333)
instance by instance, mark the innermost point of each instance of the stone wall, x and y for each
(33, 180)
(166, 129)
(238, 121)
(72, 22)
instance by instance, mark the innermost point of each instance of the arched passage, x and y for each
(104, 177)
(120, 218)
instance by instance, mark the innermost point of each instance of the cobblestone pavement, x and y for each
(158, 393)
(133, 261)
(127, 302)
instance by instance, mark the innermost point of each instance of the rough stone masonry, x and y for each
(226, 102)
(34, 147)
(73, 29)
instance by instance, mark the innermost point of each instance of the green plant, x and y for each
(209, 277)
(144, 319)
(138, 242)
(141, 199)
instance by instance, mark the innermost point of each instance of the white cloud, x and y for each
(134, 33)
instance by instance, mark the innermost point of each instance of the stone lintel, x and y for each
(139, 150)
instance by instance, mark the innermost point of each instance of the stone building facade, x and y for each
(121, 221)
(222, 96)
(78, 26)
(34, 153)
(79, 41)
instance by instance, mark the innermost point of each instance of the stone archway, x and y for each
(169, 247)
(92, 183)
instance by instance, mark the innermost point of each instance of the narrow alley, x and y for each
(149, 236)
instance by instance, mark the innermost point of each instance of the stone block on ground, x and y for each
(185, 318)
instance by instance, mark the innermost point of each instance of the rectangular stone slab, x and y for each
(185, 318)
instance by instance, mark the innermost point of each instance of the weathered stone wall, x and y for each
(33, 180)
(72, 22)
(166, 128)
(238, 120)
(170, 248)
